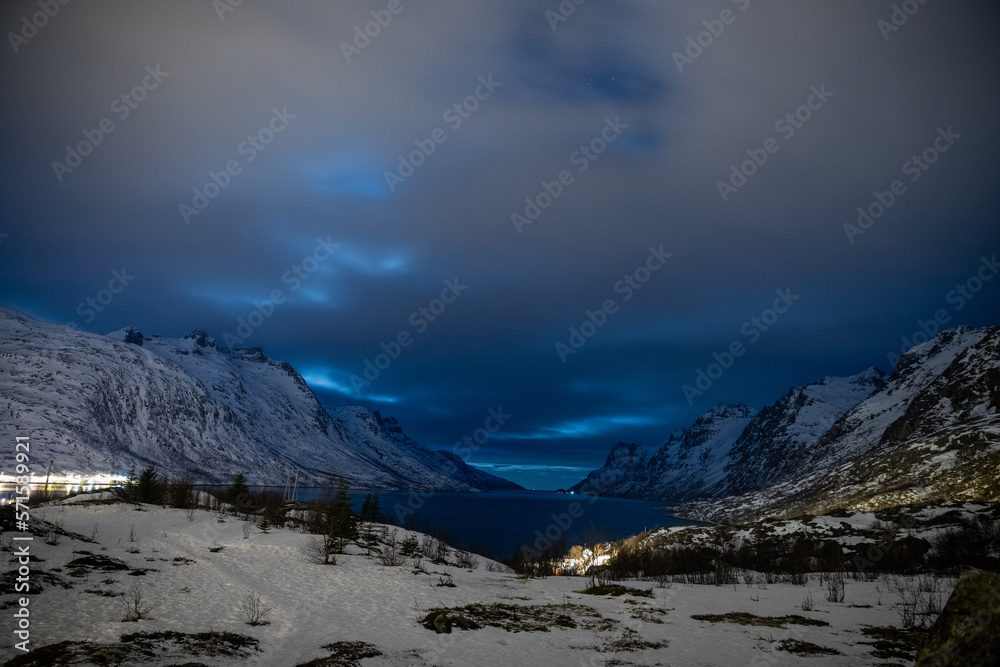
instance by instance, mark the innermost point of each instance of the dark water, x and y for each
(498, 523)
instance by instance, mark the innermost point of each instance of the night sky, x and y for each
(457, 189)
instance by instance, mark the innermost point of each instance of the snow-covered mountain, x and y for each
(774, 442)
(105, 403)
(930, 430)
(685, 466)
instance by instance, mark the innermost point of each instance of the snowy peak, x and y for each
(772, 445)
(846, 392)
(715, 425)
(964, 389)
(930, 430)
(932, 356)
(916, 393)
(128, 335)
(107, 403)
(945, 391)
(682, 467)
(621, 454)
(200, 338)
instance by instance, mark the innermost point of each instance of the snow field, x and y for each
(360, 600)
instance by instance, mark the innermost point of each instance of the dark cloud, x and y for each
(323, 177)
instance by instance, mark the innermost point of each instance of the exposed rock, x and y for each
(967, 633)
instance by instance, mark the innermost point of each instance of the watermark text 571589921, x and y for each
(22, 543)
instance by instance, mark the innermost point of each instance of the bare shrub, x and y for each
(254, 608)
(247, 529)
(920, 600)
(435, 548)
(319, 549)
(599, 576)
(835, 582)
(391, 555)
(493, 566)
(725, 573)
(467, 560)
(134, 605)
(180, 493)
(807, 604)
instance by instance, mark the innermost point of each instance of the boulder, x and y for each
(967, 633)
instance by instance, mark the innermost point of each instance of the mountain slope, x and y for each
(105, 403)
(770, 447)
(930, 430)
(683, 467)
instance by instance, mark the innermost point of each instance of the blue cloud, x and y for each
(324, 378)
(581, 428)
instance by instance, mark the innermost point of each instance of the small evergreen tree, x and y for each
(366, 508)
(149, 487)
(370, 511)
(410, 547)
(342, 521)
(265, 524)
(127, 491)
(238, 493)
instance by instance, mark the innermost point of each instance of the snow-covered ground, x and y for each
(361, 600)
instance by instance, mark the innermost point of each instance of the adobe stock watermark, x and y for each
(752, 330)
(31, 25)
(22, 552)
(585, 155)
(249, 149)
(420, 320)
(92, 305)
(696, 44)
(463, 448)
(549, 536)
(363, 35)
(294, 277)
(223, 7)
(627, 286)
(455, 116)
(914, 168)
(562, 12)
(786, 126)
(899, 16)
(957, 298)
(122, 107)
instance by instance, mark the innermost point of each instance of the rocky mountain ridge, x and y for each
(102, 404)
(930, 430)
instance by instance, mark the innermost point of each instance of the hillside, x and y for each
(97, 403)
(930, 430)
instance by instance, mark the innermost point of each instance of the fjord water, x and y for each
(497, 523)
